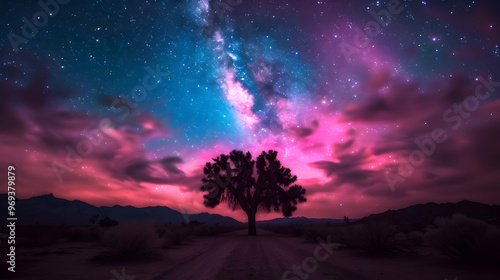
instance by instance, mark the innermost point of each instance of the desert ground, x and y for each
(235, 255)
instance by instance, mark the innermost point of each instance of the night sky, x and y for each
(122, 102)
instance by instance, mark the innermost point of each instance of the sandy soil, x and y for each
(237, 256)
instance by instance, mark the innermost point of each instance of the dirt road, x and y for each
(266, 256)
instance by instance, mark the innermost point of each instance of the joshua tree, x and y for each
(251, 185)
(346, 220)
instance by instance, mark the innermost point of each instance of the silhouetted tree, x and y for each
(251, 185)
(107, 222)
(346, 220)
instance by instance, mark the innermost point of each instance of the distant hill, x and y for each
(299, 220)
(50, 210)
(427, 213)
(415, 214)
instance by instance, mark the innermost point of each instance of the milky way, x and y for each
(372, 104)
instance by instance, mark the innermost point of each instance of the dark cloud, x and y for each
(303, 132)
(399, 100)
(164, 171)
(342, 147)
(349, 169)
(31, 115)
(414, 112)
(170, 164)
(140, 171)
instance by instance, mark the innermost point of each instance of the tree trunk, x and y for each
(252, 229)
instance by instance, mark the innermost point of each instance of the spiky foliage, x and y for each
(251, 185)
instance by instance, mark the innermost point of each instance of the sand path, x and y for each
(266, 256)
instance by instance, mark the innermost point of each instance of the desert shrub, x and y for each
(378, 238)
(131, 240)
(463, 238)
(107, 222)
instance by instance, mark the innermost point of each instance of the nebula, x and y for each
(410, 117)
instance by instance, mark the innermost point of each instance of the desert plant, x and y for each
(131, 240)
(463, 238)
(107, 222)
(251, 185)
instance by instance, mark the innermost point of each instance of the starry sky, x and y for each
(373, 105)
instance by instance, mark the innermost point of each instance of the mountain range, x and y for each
(50, 210)
(427, 213)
